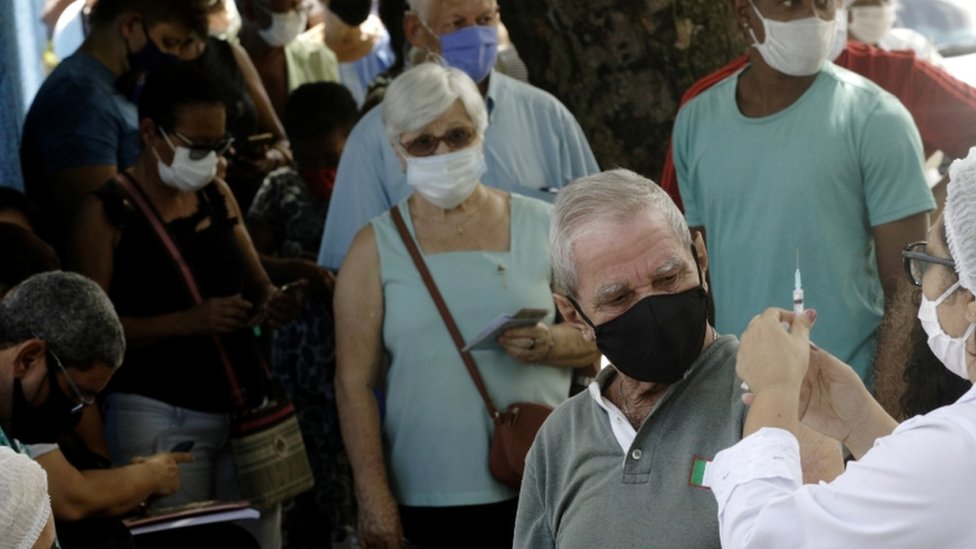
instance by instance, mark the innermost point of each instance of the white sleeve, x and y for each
(914, 489)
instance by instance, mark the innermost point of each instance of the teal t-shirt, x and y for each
(436, 430)
(814, 178)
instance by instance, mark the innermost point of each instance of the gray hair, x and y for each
(615, 196)
(424, 93)
(70, 313)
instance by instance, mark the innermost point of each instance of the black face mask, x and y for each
(659, 337)
(44, 423)
(150, 57)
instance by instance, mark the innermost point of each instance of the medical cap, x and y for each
(25, 506)
(960, 218)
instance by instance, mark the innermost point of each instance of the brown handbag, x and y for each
(515, 426)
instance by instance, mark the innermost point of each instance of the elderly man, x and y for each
(60, 343)
(533, 145)
(620, 465)
(791, 156)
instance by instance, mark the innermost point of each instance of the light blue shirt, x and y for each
(357, 75)
(816, 177)
(532, 144)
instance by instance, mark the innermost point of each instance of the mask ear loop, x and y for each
(580, 311)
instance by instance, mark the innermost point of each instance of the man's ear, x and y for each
(31, 356)
(699, 242)
(572, 316)
(128, 22)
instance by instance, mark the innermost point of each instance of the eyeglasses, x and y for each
(426, 144)
(81, 399)
(199, 150)
(916, 261)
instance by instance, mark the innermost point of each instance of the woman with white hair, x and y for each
(913, 485)
(487, 252)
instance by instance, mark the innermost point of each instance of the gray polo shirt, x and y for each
(581, 490)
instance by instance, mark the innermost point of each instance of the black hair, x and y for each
(12, 199)
(351, 12)
(24, 255)
(175, 86)
(191, 13)
(317, 109)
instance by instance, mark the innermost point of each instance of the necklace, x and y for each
(633, 419)
(459, 225)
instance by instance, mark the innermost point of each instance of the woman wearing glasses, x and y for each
(173, 387)
(421, 471)
(912, 485)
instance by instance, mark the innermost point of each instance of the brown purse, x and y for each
(515, 426)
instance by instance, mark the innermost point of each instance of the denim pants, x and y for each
(139, 426)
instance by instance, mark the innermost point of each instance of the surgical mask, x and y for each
(233, 27)
(870, 23)
(185, 173)
(840, 35)
(446, 180)
(658, 338)
(796, 48)
(472, 49)
(44, 423)
(951, 351)
(150, 57)
(284, 28)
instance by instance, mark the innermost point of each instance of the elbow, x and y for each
(70, 509)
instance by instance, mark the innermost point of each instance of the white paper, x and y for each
(487, 336)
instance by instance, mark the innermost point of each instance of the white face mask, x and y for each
(796, 48)
(446, 180)
(185, 173)
(284, 28)
(840, 35)
(870, 23)
(951, 351)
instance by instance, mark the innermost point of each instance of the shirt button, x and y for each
(636, 454)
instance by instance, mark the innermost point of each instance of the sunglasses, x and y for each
(199, 151)
(425, 144)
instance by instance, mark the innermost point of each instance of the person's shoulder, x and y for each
(78, 80)
(850, 82)
(531, 206)
(506, 89)
(571, 411)
(369, 126)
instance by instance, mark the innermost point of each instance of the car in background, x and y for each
(950, 25)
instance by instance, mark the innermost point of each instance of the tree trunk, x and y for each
(621, 66)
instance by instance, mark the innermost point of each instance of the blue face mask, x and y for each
(472, 49)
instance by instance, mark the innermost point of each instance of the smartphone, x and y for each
(255, 145)
(184, 446)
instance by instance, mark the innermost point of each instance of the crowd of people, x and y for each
(365, 215)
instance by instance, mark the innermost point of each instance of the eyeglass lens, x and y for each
(426, 144)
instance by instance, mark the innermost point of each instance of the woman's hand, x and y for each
(529, 344)
(218, 315)
(379, 522)
(772, 357)
(283, 305)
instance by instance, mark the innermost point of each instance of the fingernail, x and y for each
(811, 314)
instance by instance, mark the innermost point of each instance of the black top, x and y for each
(181, 371)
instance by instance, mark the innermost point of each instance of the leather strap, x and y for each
(435, 294)
(144, 205)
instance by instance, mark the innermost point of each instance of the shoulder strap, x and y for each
(145, 207)
(435, 294)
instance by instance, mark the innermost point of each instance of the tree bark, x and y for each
(621, 66)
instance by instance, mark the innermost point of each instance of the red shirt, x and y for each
(944, 108)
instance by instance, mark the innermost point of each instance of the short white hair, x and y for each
(615, 196)
(424, 93)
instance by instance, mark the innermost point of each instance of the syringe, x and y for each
(797, 288)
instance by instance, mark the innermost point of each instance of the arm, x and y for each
(532, 530)
(279, 153)
(108, 492)
(889, 240)
(557, 345)
(359, 358)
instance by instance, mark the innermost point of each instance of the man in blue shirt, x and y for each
(80, 129)
(533, 145)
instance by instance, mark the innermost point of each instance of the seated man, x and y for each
(533, 144)
(60, 343)
(620, 464)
